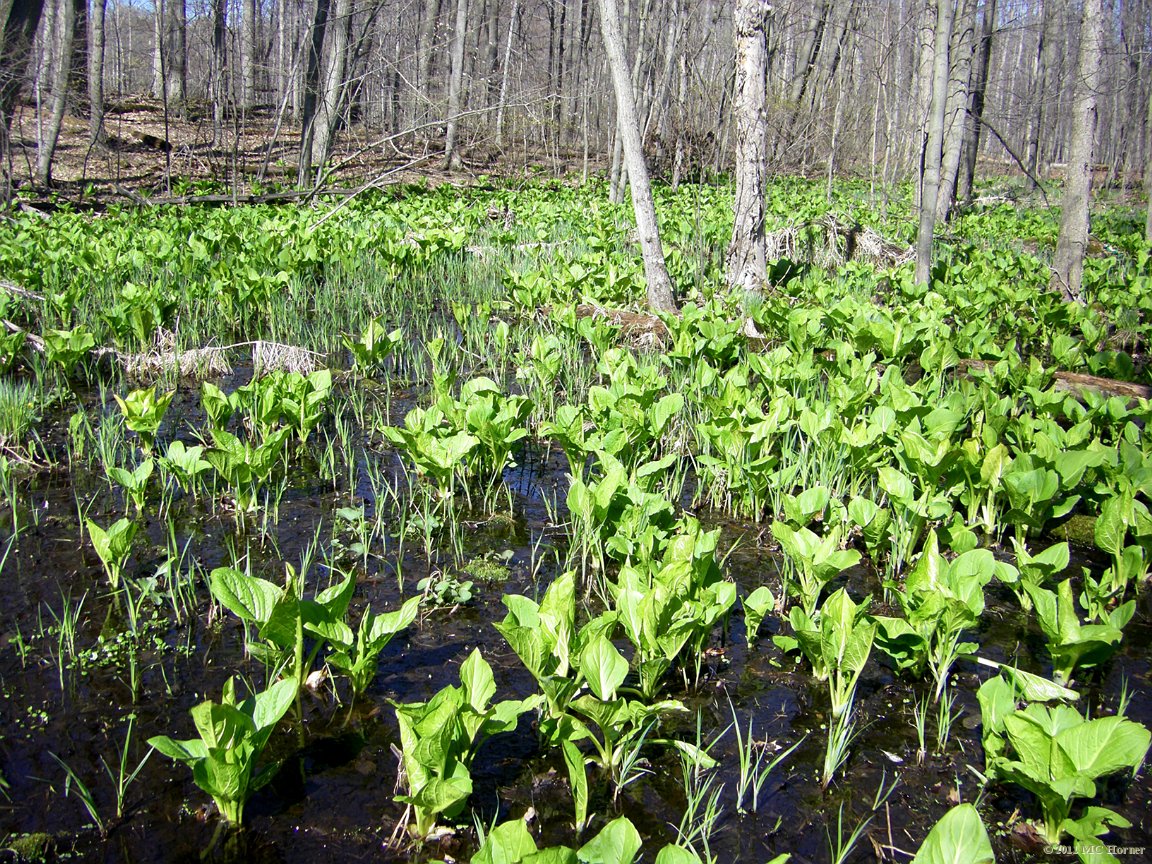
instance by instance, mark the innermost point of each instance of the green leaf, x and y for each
(677, 855)
(958, 838)
(247, 597)
(617, 843)
(507, 843)
(479, 685)
(604, 668)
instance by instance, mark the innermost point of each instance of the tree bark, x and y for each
(19, 19)
(660, 295)
(1038, 90)
(747, 263)
(248, 70)
(62, 33)
(332, 84)
(504, 73)
(219, 67)
(177, 61)
(96, 71)
(1068, 262)
(973, 125)
(425, 49)
(311, 89)
(933, 149)
(159, 36)
(959, 79)
(1148, 170)
(456, 85)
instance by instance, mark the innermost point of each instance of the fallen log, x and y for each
(1076, 382)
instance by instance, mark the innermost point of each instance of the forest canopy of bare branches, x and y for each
(247, 89)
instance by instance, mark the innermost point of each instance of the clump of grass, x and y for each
(18, 412)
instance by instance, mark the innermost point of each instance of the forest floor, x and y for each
(153, 156)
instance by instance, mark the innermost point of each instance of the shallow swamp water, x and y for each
(68, 690)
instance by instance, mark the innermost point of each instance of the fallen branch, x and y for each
(1076, 383)
(196, 362)
(826, 242)
(1015, 158)
(15, 290)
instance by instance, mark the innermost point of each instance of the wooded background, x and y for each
(494, 82)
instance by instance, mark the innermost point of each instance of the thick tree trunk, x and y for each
(747, 263)
(973, 126)
(425, 50)
(177, 61)
(660, 295)
(219, 67)
(159, 36)
(96, 70)
(311, 88)
(959, 79)
(19, 19)
(1038, 91)
(248, 71)
(1068, 262)
(456, 85)
(65, 12)
(330, 100)
(933, 148)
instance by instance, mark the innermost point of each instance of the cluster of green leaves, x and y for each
(1058, 754)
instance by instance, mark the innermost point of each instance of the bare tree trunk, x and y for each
(19, 20)
(177, 62)
(456, 85)
(219, 67)
(959, 79)
(425, 49)
(747, 264)
(933, 149)
(158, 37)
(311, 89)
(332, 84)
(1038, 90)
(65, 12)
(973, 126)
(505, 72)
(660, 295)
(248, 70)
(96, 71)
(1068, 262)
(1148, 170)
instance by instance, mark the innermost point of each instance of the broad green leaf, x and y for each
(958, 838)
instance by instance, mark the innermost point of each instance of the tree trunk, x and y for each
(973, 127)
(456, 85)
(955, 111)
(96, 71)
(425, 49)
(1068, 262)
(332, 84)
(659, 285)
(747, 263)
(158, 48)
(219, 67)
(248, 71)
(311, 89)
(65, 12)
(933, 149)
(177, 61)
(1148, 170)
(19, 19)
(504, 73)
(1038, 91)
